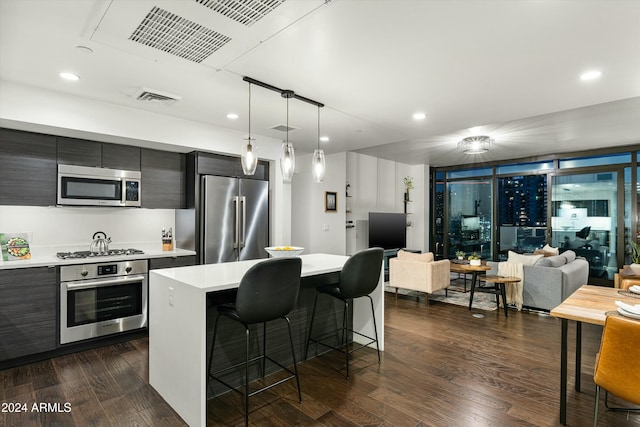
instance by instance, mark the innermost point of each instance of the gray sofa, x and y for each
(548, 284)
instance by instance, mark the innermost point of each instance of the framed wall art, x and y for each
(330, 201)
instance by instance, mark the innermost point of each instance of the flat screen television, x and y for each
(387, 230)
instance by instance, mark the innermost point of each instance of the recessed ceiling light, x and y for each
(232, 116)
(591, 75)
(70, 76)
(419, 116)
(324, 139)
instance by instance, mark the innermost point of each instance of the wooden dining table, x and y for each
(589, 304)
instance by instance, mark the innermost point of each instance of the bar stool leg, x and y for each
(213, 343)
(246, 380)
(264, 348)
(313, 315)
(473, 288)
(345, 326)
(293, 354)
(375, 328)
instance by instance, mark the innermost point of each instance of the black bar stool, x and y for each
(358, 278)
(268, 291)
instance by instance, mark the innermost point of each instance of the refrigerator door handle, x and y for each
(243, 235)
(237, 221)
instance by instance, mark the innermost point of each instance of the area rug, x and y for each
(481, 301)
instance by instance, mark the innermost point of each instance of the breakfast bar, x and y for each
(178, 339)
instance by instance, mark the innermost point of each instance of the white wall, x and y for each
(312, 227)
(37, 110)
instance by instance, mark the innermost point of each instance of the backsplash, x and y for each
(74, 226)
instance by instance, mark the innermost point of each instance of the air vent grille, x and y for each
(246, 12)
(178, 36)
(151, 95)
(283, 128)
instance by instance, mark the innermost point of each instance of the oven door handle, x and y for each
(86, 284)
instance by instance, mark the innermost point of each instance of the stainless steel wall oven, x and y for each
(102, 298)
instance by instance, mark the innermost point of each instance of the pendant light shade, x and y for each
(287, 161)
(318, 164)
(248, 156)
(287, 156)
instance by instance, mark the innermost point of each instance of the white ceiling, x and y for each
(509, 69)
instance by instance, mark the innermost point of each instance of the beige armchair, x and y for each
(418, 272)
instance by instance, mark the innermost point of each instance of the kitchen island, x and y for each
(179, 299)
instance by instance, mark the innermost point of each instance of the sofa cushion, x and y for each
(569, 255)
(410, 256)
(523, 259)
(552, 261)
(544, 253)
(547, 248)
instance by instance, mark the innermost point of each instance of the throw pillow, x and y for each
(569, 255)
(547, 248)
(543, 253)
(523, 259)
(552, 261)
(410, 256)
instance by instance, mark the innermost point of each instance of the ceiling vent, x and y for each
(283, 128)
(178, 36)
(246, 12)
(155, 96)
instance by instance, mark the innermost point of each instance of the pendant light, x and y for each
(287, 156)
(248, 157)
(318, 162)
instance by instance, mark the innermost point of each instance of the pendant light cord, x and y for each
(318, 127)
(249, 113)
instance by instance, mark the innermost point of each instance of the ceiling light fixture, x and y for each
(318, 163)
(287, 156)
(70, 76)
(247, 156)
(234, 116)
(590, 75)
(324, 139)
(419, 116)
(475, 144)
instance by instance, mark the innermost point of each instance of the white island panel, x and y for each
(178, 330)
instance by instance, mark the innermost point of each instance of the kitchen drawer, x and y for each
(170, 262)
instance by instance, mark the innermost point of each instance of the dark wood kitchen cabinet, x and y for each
(28, 170)
(28, 311)
(163, 179)
(81, 152)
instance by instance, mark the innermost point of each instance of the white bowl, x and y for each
(280, 251)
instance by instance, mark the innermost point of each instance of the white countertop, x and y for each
(46, 256)
(227, 275)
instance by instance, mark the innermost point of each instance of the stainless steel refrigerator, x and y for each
(235, 219)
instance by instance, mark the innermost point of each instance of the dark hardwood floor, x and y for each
(440, 367)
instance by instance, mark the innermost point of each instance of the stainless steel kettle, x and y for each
(100, 242)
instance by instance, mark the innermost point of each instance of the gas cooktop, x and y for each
(89, 254)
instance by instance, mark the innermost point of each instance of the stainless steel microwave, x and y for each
(88, 186)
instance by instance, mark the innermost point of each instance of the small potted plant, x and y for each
(408, 185)
(635, 257)
(474, 259)
(460, 254)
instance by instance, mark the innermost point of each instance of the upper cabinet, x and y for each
(163, 179)
(27, 168)
(80, 152)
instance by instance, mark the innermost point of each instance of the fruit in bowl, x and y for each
(284, 251)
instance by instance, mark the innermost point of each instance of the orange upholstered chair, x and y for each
(617, 369)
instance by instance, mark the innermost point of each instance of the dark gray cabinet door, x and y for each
(28, 169)
(170, 262)
(27, 311)
(163, 179)
(115, 156)
(80, 152)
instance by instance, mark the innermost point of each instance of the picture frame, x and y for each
(330, 201)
